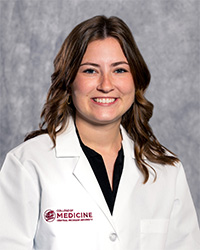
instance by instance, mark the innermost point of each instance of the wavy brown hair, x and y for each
(57, 109)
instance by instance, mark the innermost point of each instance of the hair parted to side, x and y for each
(57, 108)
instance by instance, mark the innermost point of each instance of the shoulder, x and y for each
(165, 173)
(37, 146)
(26, 160)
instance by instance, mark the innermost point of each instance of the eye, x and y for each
(121, 70)
(89, 71)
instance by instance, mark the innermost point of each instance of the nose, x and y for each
(105, 84)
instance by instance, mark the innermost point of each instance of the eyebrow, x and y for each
(97, 65)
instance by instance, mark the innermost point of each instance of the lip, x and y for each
(104, 100)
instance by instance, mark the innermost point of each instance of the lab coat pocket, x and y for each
(153, 234)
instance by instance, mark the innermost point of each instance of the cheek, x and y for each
(129, 93)
(129, 88)
(81, 86)
(77, 90)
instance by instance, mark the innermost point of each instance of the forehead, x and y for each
(107, 49)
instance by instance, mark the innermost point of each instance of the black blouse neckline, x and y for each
(99, 169)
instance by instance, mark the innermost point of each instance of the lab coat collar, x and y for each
(67, 143)
(68, 146)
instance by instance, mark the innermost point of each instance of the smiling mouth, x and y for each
(104, 100)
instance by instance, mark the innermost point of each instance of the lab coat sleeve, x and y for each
(183, 231)
(19, 205)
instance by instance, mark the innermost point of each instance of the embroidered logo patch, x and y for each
(49, 215)
(67, 215)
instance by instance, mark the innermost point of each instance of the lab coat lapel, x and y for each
(129, 178)
(68, 146)
(84, 174)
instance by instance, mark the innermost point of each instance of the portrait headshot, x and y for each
(99, 125)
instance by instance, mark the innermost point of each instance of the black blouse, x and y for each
(98, 167)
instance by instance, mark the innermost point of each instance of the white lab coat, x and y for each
(36, 179)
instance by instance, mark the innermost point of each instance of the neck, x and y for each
(101, 138)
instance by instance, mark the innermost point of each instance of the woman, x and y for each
(94, 175)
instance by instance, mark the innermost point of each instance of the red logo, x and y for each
(49, 215)
(67, 215)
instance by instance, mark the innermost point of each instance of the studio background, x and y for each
(167, 34)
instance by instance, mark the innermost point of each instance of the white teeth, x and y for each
(104, 100)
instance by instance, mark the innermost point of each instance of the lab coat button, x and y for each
(113, 236)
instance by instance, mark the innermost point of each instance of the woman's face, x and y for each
(103, 89)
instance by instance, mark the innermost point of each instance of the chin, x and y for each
(105, 121)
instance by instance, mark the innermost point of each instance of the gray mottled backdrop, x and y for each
(167, 33)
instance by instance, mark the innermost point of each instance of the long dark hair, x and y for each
(57, 109)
